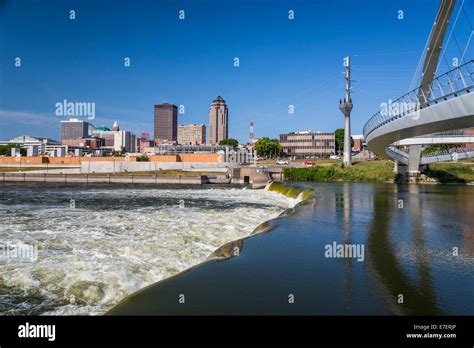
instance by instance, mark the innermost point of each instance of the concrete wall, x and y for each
(164, 158)
(62, 160)
(201, 157)
(130, 179)
(257, 177)
(26, 160)
(110, 167)
(188, 157)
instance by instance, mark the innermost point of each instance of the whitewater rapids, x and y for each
(99, 243)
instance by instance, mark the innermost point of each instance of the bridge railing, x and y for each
(450, 151)
(396, 153)
(451, 84)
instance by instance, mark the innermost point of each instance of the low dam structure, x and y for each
(257, 177)
(149, 173)
(115, 178)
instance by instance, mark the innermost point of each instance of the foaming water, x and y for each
(290, 191)
(99, 243)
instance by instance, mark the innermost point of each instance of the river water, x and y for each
(413, 253)
(99, 243)
(413, 250)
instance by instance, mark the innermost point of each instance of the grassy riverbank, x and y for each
(452, 171)
(381, 171)
(359, 171)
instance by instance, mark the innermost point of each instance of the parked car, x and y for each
(281, 162)
(334, 157)
(309, 163)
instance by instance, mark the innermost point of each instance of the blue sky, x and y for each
(189, 62)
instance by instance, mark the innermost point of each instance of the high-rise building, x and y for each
(193, 134)
(218, 121)
(124, 139)
(75, 129)
(165, 123)
(304, 144)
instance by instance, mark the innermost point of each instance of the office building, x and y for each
(193, 134)
(165, 123)
(358, 143)
(33, 145)
(75, 129)
(115, 139)
(218, 121)
(144, 144)
(125, 139)
(105, 133)
(90, 142)
(308, 144)
(26, 140)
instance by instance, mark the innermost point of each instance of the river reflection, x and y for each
(403, 295)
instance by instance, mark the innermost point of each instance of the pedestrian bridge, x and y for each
(446, 103)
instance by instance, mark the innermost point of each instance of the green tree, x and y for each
(143, 158)
(6, 150)
(439, 148)
(339, 134)
(268, 148)
(229, 142)
(121, 153)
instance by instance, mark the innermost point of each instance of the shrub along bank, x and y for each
(359, 171)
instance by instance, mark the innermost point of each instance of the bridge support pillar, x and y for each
(414, 157)
(400, 168)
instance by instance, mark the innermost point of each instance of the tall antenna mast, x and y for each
(346, 107)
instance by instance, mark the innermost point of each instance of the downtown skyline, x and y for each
(188, 62)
